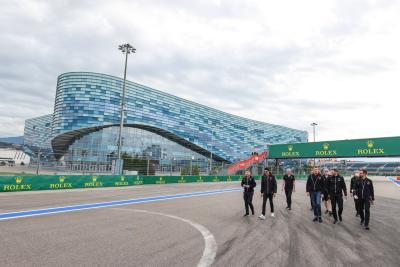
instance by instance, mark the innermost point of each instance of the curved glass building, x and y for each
(158, 126)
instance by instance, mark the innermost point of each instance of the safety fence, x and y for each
(56, 182)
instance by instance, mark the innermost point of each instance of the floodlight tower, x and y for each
(125, 49)
(314, 124)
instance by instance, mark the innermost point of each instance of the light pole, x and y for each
(125, 49)
(313, 125)
(38, 162)
(191, 165)
(211, 150)
(40, 143)
(172, 160)
(148, 162)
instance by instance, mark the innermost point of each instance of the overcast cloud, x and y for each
(283, 62)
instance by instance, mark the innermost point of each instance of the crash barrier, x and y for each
(56, 182)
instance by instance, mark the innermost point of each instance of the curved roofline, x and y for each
(61, 142)
(162, 92)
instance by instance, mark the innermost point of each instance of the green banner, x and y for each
(373, 147)
(56, 182)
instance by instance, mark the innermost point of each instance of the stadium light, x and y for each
(125, 49)
(313, 125)
(211, 150)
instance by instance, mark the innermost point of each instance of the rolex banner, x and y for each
(55, 182)
(373, 147)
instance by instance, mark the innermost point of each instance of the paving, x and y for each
(164, 233)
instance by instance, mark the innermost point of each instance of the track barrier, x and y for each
(57, 182)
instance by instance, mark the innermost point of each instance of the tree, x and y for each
(135, 164)
(186, 170)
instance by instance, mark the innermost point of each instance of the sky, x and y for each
(336, 63)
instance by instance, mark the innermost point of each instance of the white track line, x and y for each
(210, 245)
(392, 180)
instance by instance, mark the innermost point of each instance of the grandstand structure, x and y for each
(374, 167)
(162, 132)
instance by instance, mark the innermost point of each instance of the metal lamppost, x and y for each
(172, 160)
(38, 161)
(211, 150)
(38, 152)
(191, 165)
(40, 144)
(313, 125)
(125, 49)
(148, 162)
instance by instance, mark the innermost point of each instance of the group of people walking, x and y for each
(328, 187)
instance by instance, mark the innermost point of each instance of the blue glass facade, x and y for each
(86, 111)
(100, 147)
(89, 100)
(37, 135)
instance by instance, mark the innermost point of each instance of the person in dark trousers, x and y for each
(336, 186)
(288, 184)
(248, 184)
(325, 199)
(311, 202)
(365, 197)
(314, 187)
(353, 182)
(268, 191)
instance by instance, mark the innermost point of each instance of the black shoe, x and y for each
(320, 220)
(326, 212)
(246, 215)
(340, 218)
(366, 227)
(315, 219)
(289, 208)
(335, 221)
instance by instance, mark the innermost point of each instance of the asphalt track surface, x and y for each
(196, 229)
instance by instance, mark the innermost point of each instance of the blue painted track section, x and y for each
(29, 213)
(395, 181)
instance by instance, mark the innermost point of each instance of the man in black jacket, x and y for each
(288, 184)
(365, 197)
(248, 184)
(336, 186)
(268, 191)
(314, 188)
(353, 182)
(327, 202)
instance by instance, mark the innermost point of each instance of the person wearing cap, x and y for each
(336, 186)
(248, 184)
(314, 187)
(288, 184)
(268, 191)
(365, 196)
(353, 182)
(327, 202)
